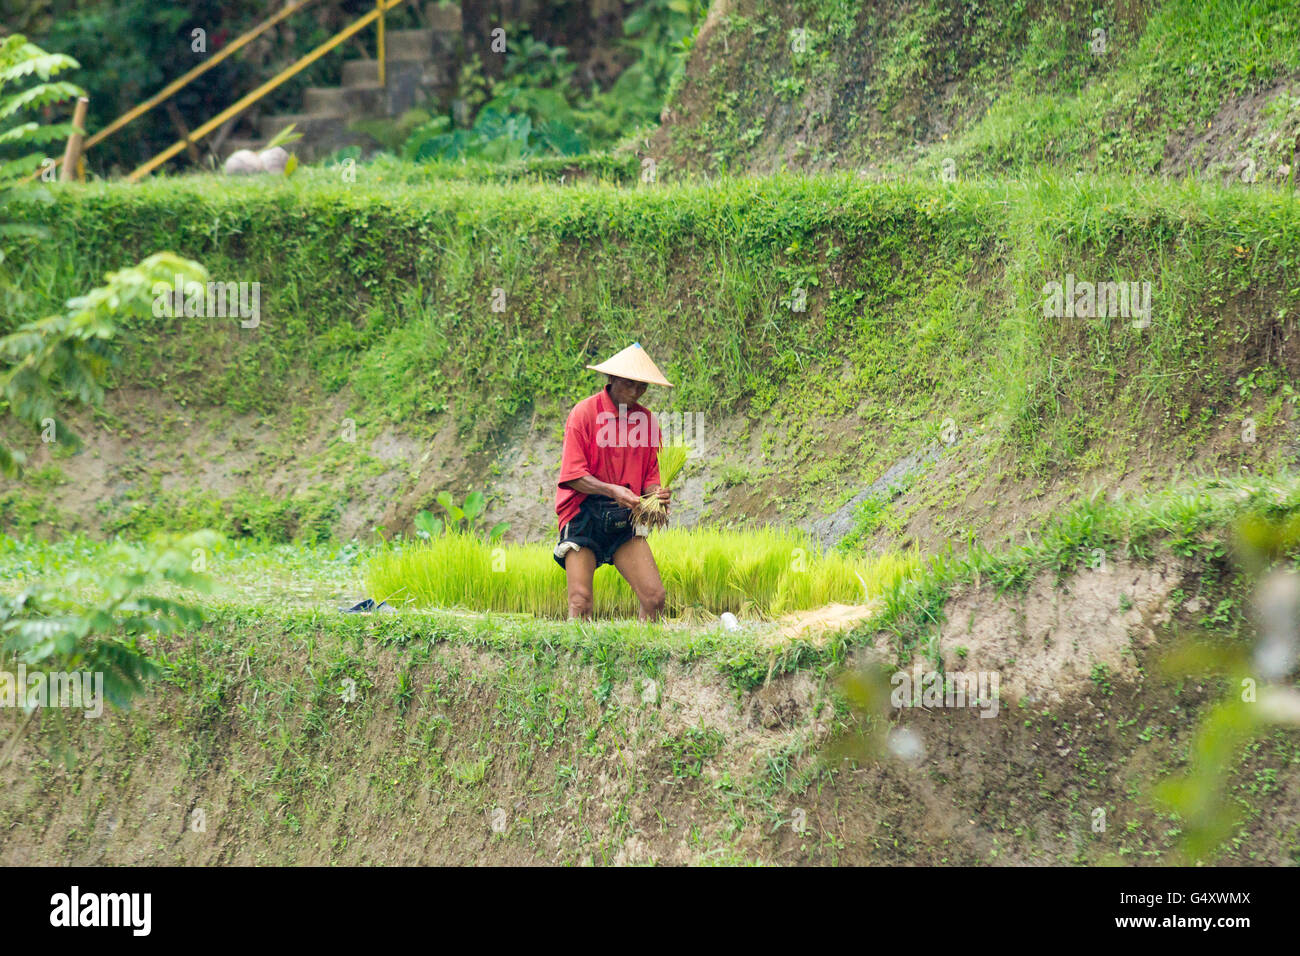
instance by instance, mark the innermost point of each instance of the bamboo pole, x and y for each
(244, 103)
(178, 122)
(72, 152)
(379, 5)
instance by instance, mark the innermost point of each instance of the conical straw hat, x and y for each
(633, 363)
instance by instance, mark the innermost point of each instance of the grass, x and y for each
(706, 571)
(1018, 89)
(924, 303)
(526, 733)
(277, 673)
(1203, 522)
(244, 572)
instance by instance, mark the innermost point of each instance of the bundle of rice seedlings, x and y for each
(650, 511)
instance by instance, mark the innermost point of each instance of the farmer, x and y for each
(610, 460)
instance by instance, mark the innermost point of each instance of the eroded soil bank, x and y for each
(309, 738)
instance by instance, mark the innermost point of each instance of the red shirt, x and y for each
(617, 449)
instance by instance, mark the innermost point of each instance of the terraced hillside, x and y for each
(873, 362)
(1033, 375)
(924, 88)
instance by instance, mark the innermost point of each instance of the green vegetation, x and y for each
(672, 459)
(693, 749)
(20, 135)
(72, 350)
(705, 571)
(110, 635)
(650, 512)
(46, 628)
(43, 363)
(1105, 86)
(536, 107)
(466, 518)
(23, 139)
(282, 698)
(164, 45)
(422, 332)
(1192, 523)
(924, 303)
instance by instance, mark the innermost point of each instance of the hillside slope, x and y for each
(929, 88)
(281, 737)
(867, 360)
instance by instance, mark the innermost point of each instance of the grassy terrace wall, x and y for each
(280, 735)
(922, 331)
(901, 87)
(492, 743)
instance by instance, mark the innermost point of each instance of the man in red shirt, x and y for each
(611, 459)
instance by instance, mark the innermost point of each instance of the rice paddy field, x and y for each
(762, 572)
(239, 572)
(844, 235)
(757, 574)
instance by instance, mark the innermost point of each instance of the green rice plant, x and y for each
(650, 511)
(761, 571)
(671, 460)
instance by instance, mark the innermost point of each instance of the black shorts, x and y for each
(584, 532)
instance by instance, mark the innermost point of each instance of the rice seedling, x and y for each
(761, 572)
(650, 512)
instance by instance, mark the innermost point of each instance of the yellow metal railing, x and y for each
(172, 88)
(379, 44)
(181, 82)
(377, 14)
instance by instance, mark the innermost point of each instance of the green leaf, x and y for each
(427, 525)
(474, 503)
(284, 137)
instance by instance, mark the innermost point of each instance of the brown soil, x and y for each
(379, 785)
(1223, 143)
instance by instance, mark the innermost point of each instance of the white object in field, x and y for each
(274, 159)
(906, 744)
(1277, 603)
(244, 162)
(729, 621)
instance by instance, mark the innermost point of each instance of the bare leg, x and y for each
(580, 569)
(636, 563)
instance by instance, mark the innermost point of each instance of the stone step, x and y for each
(234, 144)
(360, 72)
(408, 44)
(366, 72)
(442, 17)
(321, 134)
(357, 102)
(305, 123)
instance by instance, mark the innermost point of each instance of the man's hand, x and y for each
(663, 494)
(588, 485)
(625, 496)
